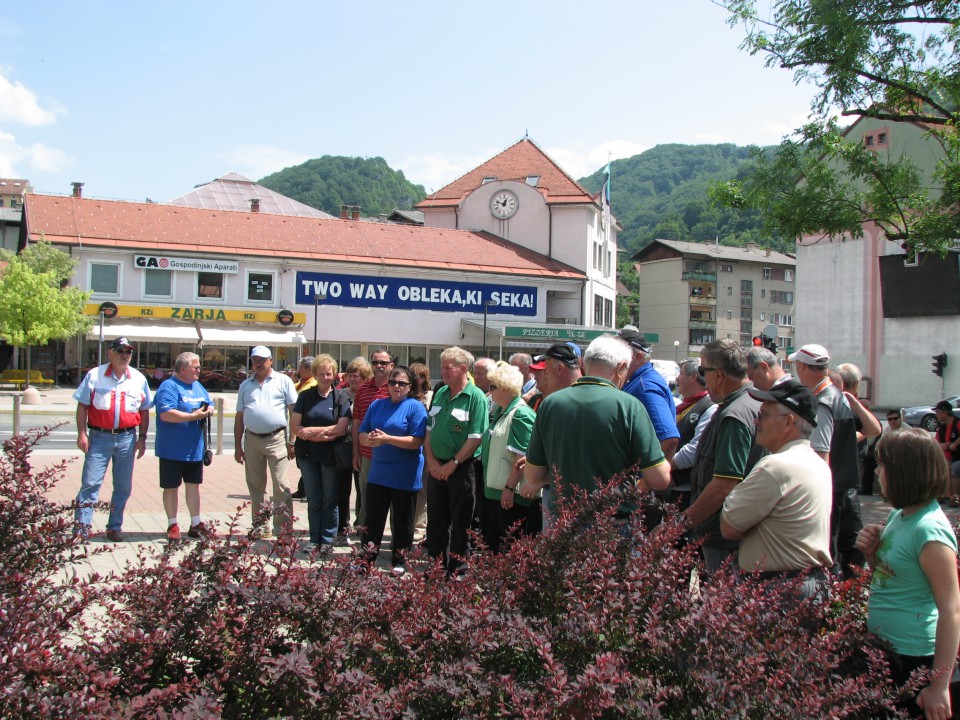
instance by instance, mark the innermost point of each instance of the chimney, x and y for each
(255, 205)
(77, 189)
(355, 212)
(751, 247)
(769, 253)
(344, 212)
(383, 217)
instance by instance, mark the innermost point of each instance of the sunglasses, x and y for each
(380, 363)
(124, 351)
(493, 387)
(894, 418)
(397, 383)
(702, 370)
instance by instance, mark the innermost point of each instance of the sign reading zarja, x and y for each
(415, 294)
(166, 262)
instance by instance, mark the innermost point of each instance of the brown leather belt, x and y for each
(112, 431)
(265, 435)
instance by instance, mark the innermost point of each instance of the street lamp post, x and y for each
(676, 351)
(486, 305)
(317, 299)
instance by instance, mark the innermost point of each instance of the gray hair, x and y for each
(691, 368)
(183, 361)
(608, 351)
(727, 356)
(521, 359)
(805, 428)
(851, 376)
(485, 362)
(757, 355)
(508, 377)
(458, 355)
(306, 361)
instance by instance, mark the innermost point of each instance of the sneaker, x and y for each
(341, 540)
(263, 533)
(114, 536)
(399, 570)
(201, 529)
(81, 531)
(173, 532)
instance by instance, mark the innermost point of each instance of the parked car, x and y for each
(922, 415)
(668, 369)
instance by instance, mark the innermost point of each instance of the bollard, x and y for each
(219, 406)
(16, 414)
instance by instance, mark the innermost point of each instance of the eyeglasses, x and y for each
(702, 370)
(397, 383)
(124, 351)
(493, 387)
(894, 418)
(380, 363)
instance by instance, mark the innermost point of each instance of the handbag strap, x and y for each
(206, 434)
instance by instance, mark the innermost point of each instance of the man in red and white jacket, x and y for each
(113, 416)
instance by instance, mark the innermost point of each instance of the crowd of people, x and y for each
(764, 469)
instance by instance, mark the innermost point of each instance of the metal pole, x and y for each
(676, 351)
(317, 299)
(218, 403)
(16, 414)
(100, 344)
(485, 305)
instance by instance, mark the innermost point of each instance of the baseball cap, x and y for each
(811, 355)
(539, 363)
(564, 353)
(260, 351)
(634, 338)
(945, 406)
(791, 394)
(121, 342)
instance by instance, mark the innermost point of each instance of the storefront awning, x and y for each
(146, 333)
(249, 336)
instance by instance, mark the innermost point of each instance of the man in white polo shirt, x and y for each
(264, 402)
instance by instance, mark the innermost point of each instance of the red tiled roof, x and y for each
(517, 162)
(150, 227)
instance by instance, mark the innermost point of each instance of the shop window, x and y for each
(157, 283)
(210, 285)
(105, 278)
(260, 287)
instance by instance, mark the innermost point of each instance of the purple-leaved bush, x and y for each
(576, 623)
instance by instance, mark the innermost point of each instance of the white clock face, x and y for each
(503, 204)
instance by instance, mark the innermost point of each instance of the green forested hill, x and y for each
(662, 193)
(330, 181)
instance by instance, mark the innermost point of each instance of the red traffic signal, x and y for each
(758, 341)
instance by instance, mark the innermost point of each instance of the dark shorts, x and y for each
(174, 473)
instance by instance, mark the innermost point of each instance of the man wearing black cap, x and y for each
(649, 387)
(113, 415)
(561, 368)
(948, 437)
(780, 513)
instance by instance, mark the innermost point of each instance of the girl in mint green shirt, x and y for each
(914, 599)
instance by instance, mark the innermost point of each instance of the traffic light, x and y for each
(939, 363)
(766, 342)
(758, 340)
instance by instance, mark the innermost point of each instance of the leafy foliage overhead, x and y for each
(330, 181)
(895, 62)
(663, 193)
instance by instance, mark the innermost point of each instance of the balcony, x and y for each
(700, 275)
(707, 300)
(702, 324)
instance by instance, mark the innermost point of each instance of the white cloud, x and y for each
(19, 104)
(435, 170)
(579, 161)
(25, 160)
(257, 161)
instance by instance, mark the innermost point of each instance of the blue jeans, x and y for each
(103, 448)
(323, 500)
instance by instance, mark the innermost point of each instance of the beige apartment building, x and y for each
(693, 293)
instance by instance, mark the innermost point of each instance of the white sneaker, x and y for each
(399, 570)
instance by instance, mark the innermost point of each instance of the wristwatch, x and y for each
(455, 461)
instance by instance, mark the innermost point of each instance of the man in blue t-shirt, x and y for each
(649, 387)
(183, 409)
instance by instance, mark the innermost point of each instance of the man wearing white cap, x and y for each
(835, 440)
(264, 402)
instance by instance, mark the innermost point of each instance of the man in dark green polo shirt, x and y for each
(590, 431)
(458, 419)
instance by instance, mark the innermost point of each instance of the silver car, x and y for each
(923, 416)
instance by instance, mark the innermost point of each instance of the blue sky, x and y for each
(142, 100)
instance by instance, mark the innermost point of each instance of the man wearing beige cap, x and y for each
(264, 402)
(835, 440)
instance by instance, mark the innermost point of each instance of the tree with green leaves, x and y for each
(35, 308)
(892, 61)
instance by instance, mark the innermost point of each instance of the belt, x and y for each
(113, 431)
(817, 573)
(266, 434)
